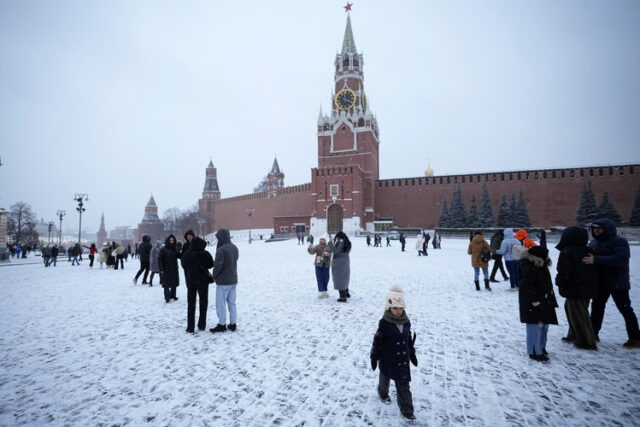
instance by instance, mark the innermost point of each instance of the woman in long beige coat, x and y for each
(476, 247)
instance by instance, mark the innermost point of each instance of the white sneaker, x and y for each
(320, 294)
(325, 294)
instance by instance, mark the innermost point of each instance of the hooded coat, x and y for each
(168, 261)
(155, 253)
(340, 267)
(144, 250)
(196, 262)
(507, 243)
(612, 257)
(536, 286)
(475, 250)
(575, 279)
(225, 269)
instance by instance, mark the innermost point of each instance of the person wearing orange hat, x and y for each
(524, 238)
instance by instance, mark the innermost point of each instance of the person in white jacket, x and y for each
(419, 244)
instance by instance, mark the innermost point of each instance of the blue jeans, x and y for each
(536, 337)
(512, 268)
(322, 277)
(476, 273)
(75, 261)
(226, 296)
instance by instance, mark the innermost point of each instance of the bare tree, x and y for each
(170, 218)
(21, 224)
(262, 186)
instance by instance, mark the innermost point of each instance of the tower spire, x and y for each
(349, 43)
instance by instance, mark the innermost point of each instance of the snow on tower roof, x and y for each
(275, 168)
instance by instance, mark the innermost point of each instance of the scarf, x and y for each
(389, 317)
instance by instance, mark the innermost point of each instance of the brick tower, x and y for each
(342, 186)
(275, 179)
(150, 224)
(101, 235)
(210, 194)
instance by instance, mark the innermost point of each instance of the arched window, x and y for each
(345, 61)
(356, 62)
(361, 123)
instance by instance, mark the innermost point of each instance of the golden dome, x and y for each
(428, 171)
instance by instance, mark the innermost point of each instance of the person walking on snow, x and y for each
(477, 248)
(340, 267)
(578, 283)
(92, 253)
(536, 300)
(144, 250)
(419, 244)
(169, 273)
(496, 241)
(510, 248)
(153, 261)
(611, 258)
(322, 262)
(393, 348)
(196, 262)
(402, 240)
(118, 253)
(225, 275)
(104, 253)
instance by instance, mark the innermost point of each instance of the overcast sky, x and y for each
(123, 99)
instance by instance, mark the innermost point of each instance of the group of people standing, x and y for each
(334, 255)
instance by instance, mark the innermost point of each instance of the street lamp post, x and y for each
(49, 238)
(60, 214)
(80, 198)
(250, 211)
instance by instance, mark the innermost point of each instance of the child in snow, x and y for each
(393, 347)
(537, 300)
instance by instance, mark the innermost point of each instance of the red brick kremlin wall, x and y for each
(231, 212)
(552, 195)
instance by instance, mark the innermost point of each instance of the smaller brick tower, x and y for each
(210, 194)
(150, 224)
(275, 179)
(101, 235)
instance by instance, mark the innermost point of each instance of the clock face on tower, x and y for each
(345, 99)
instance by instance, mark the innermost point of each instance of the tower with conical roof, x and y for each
(150, 224)
(275, 179)
(101, 235)
(211, 191)
(348, 145)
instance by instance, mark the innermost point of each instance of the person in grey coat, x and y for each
(340, 267)
(225, 274)
(153, 261)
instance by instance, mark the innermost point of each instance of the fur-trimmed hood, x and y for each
(535, 260)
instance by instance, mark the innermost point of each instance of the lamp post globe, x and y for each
(80, 198)
(60, 214)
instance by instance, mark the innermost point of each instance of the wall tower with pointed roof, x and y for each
(275, 179)
(150, 224)
(101, 235)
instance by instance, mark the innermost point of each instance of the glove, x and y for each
(535, 304)
(413, 358)
(413, 340)
(374, 364)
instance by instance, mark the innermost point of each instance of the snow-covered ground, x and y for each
(87, 347)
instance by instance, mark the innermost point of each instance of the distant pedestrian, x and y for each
(118, 253)
(103, 255)
(225, 275)
(46, 255)
(510, 248)
(536, 300)
(426, 236)
(75, 252)
(153, 261)
(393, 348)
(419, 244)
(54, 255)
(92, 253)
(388, 241)
(477, 249)
(310, 239)
(144, 251)
(523, 237)
(402, 240)
(340, 266)
(368, 240)
(496, 241)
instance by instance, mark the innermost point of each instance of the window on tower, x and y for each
(356, 62)
(345, 61)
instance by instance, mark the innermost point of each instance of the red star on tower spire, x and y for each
(347, 8)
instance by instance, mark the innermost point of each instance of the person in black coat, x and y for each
(578, 283)
(144, 251)
(611, 258)
(403, 241)
(54, 254)
(536, 299)
(225, 274)
(169, 274)
(196, 262)
(393, 348)
(496, 241)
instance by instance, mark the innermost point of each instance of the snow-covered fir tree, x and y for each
(514, 216)
(444, 220)
(523, 212)
(635, 212)
(504, 213)
(587, 209)
(608, 210)
(457, 212)
(485, 213)
(473, 220)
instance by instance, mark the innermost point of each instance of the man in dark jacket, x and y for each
(225, 274)
(54, 255)
(578, 283)
(496, 241)
(403, 241)
(144, 250)
(612, 260)
(196, 262)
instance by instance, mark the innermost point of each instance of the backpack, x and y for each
(485, 255)
(516, 248)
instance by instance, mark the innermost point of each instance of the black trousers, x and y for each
(91, 259)
(621, 298)
(121, 259)
(497, 264)
(405, 399)
(170, 293)
(402, 243)
(144, 266)
(203, 293)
